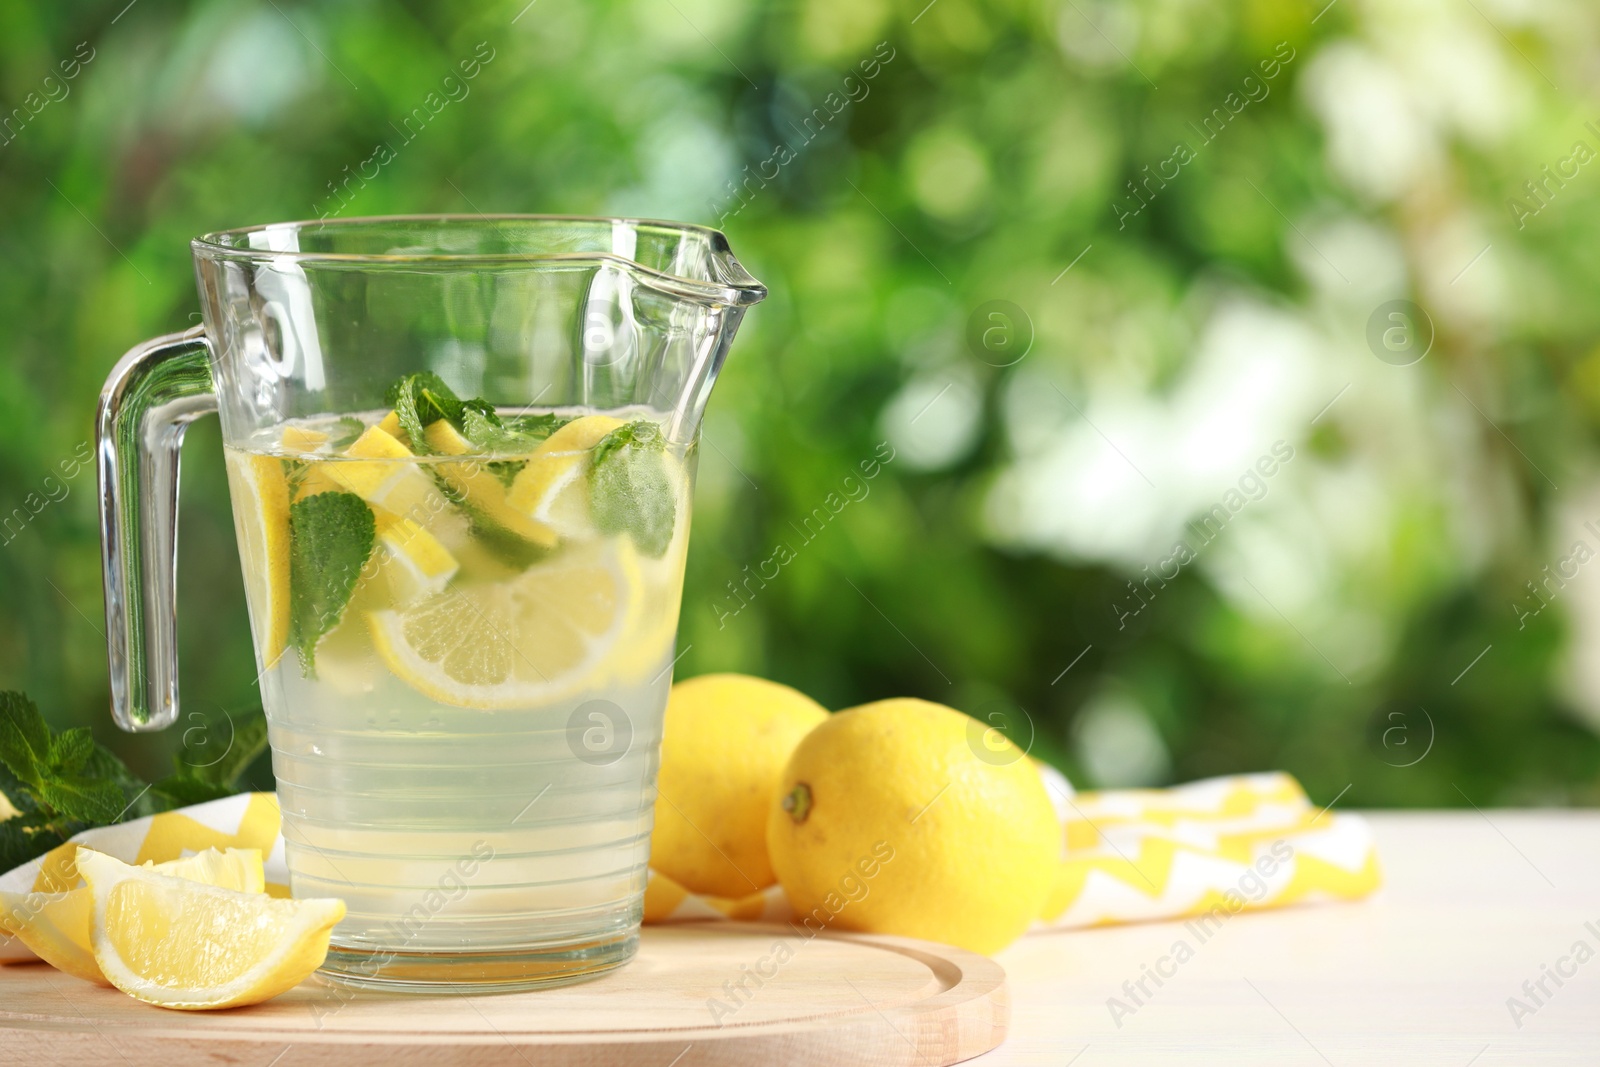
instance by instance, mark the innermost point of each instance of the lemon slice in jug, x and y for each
(260, 494)
(524, 641)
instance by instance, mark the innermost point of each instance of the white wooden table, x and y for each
(1473, 905)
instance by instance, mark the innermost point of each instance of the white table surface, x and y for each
(1419, 974)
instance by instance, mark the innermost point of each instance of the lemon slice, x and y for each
(388, 478)
(56, 926)
(415, 562)
(648, 648)
(302, 439)
(390, 424)
(181, 944)
(552, 488)
(261, 516)
(521, 642)
(480, 490)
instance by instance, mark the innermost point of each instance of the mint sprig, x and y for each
(629, 490)
(63, 783)
(348, 429)
(421, 399)
(330, 537)
(59, 784)
(50, 768)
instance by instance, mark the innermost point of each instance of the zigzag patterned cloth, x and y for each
(1129, 855)
(1237, 843)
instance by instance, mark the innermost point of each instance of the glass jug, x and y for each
(460, 453)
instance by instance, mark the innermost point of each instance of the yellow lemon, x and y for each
(906, 817)
(56, 926)
(528, 640)
(417, 564)
(480, 490)
(182, 944)
(260, 493)
(723, 748)
(552, 488)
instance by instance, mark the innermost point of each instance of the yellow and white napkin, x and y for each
(1216, 847)
(1235, 843)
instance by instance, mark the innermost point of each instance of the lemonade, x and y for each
(465, 619)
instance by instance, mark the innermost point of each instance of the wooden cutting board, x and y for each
(832, 999)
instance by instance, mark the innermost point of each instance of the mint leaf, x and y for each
(70, 749)
(181, 790)
(102, 763)
(91, 800)
(422, 399)
(330, 537)
(538, 427)
(24, 739)
(349, 428)
(237, 742)
(16, 794)
(25, 837)
(294, 472)
(506, 469)
(482, 428)
(629, 490)
(490, 434)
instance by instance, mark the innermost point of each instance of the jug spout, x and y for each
(659, 330)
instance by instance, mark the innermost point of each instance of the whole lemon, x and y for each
(723, 748)
(907, 817)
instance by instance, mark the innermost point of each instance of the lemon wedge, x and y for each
(520, 642)
(552, 488)
(415, 562)
(389, 479)
(260, 495)
(480, 490)
(302, 439)
(390, 424)
(181, 944)
(56, 926)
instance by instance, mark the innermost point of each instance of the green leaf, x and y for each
(24, 739)
(629, 489)
(102, 763)
(510, 548)
(488, 434)
(538, 427)
(228, 745)
(350, 428)
(294, 472)
(91, 800)
(506, 469)
(422, 399)
(19, 795)
(330, 537)
(70, 749)
(23, 838)
(181, 790)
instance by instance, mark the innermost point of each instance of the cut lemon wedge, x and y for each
(551, 488)
(523, 641)
(481, 492)
(261, 516)
(302, 439)
(415, 563)
(56, 926)
(390, 424)
(181, 944)
(389, 480)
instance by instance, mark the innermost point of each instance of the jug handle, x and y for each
(149, 399)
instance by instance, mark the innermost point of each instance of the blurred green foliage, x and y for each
(992, 147)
